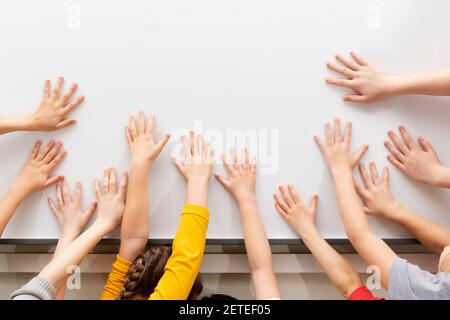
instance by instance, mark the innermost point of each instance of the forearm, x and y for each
(341, 273)
(64, 241)
(197, 192)
(430, 234)
(434, 84)
(18, 123)
(134, 231)
(9, 204)
(56, 271)
(256, 243)
(442, 178)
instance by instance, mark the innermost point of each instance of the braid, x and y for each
(134, 277)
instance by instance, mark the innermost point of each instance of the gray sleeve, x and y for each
(409, 282)
(37, 289)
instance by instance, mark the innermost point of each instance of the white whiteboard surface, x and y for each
(235, 64)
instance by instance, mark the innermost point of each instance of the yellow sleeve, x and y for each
(183, 265)
(116, 279)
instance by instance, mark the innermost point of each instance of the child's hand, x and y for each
(241, 182)
(68, 212)
(110, 201)
(376, 193)
(300, 217)
(419, 162)
(336, 150)
(140, 139)
(369, 83)
(197, 163)
(35, 175)
(53, 110)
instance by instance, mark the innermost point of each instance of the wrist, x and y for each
(391, 211)
(20, 189)
(198, 180)
(104, 225)
(70, 233)
(140, 164)
(340, 170)
(440, 177)
(243, 198)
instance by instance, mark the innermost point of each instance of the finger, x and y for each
(90, 212)
(360, 191)
(246, 158)
(227, 166)
(53, 153)
(329, 134)
(374, 173)
(281, 203)
(286, 196)
(407, 138)
(319, 143)
(368, 211)
(348, 133)
(53, 207)
(313, 202)
(34, 153)
(396, 163)
(197, 145)
(344, 83)
(58, 87)
(365, 176)
(192, 141)
(128, 135)
(294, 194)
(337, 130)
(359, 60)
(66, 192)
(426, 146)
(112, 181)
(123, 187)
(234, 156)
(356, 98)
(398, 143)
(393, 151)
(359, 154)
(66, 123)
(57, 160)
(141, 123)
(73, 105)
(187, 148)
(105, 181)
(52, 180)
(221, 179)
(151, 124)
(348, 63)
(346, 72)
(178, 164)
(46, 150)
(97, 189)
(160, 146)
(47, 88)
(133, 127)
(386, 176)
(69, 93)
(201, 145)
(208, 153)
(253, 165)
(59, 195)
(280, 210)
(78, 191)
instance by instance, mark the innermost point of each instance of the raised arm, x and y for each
(371, 85)
(340, 161)
(241, 184)
(35, 176)
(188, 246)
(71, 220)
(110, 204)
(135, 224)
(302, 219)
(379, 202)
(51, 113)
(419, 161)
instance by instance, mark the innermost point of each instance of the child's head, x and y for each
(444, 262)
(145, 273)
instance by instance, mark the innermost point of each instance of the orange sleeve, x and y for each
(116, 279)
(184, 264)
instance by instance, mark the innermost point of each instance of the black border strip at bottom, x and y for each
(389, 241)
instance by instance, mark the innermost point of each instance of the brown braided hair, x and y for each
(145, 273)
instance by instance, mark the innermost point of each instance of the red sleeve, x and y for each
(363, 293)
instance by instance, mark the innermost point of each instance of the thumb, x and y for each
(368, 211)
(51, 181)
(426, 146)
(221, 180)
(313, 202)
(357, 156)
(90, 211)
(161, 144)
